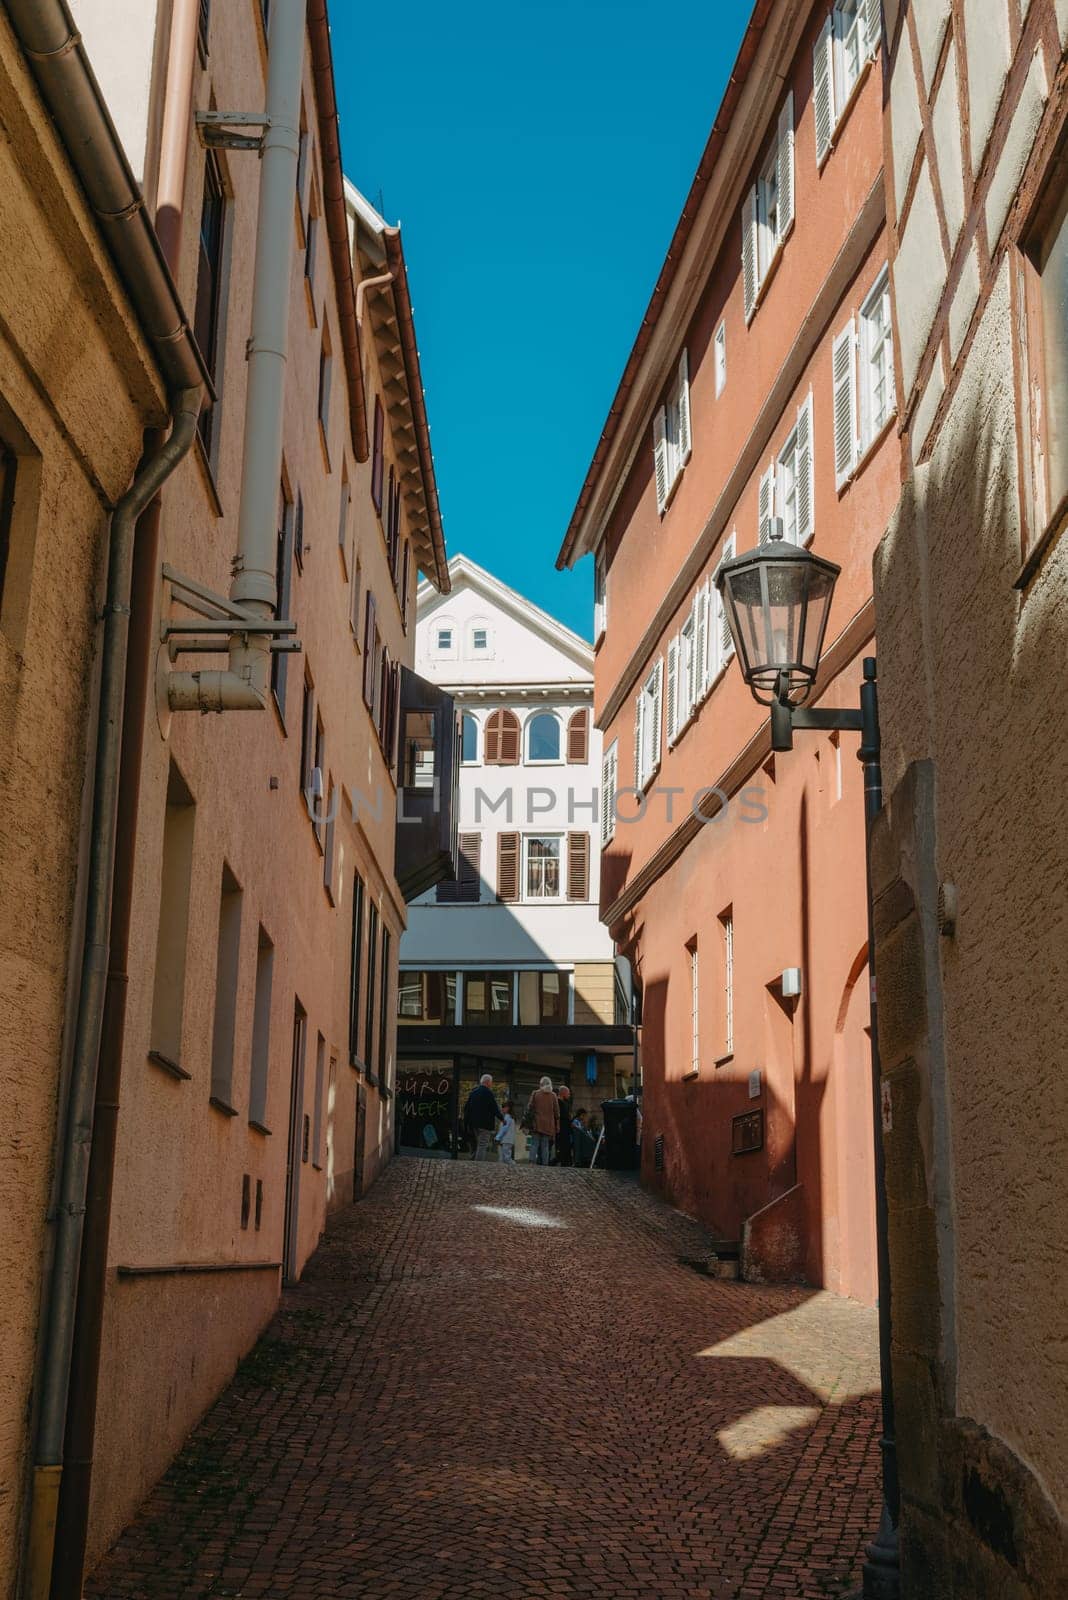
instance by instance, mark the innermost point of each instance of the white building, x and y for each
(509, 969)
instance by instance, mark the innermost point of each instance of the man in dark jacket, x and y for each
(481, 1116)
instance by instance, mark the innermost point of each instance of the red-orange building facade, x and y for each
(758, 400)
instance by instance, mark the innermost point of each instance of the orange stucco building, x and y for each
(757, 402)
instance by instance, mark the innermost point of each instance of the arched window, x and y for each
(502, 739)
(543, 737)
(578, 736)
(469, 747)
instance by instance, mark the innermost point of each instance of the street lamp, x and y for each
(777, 599)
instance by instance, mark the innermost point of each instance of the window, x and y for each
(787, 488)
(328, 840)
(1043, 269)
(578, 737)
(355, 596)
(647, 727)
(488, 999)
(355, 963)
(862, 367)
(578, 867)
(501, 747)
(543, 737)
(207, 315)
(393, 524)
(370, 651)
(228, 954)
(721, 358)
(419, 753)
(172, 937)
(682, 689)
(541, 873)
(378, 459)
(849, 38)
(318, 778)
(371, 994)
(469, 741)
(695, 1022)
(317, 1103)
(406, 583)
(298, 532)
(600, 595)
(311, 245)
(479, 639)
(385, 1018)
(671, 436)
(259, 1074)
(544, 998)
(326, 367)
(444, 641)
(283, 591)
(8, 467)
(307, 736)
(343, 520)
(426, 998)
(768, 212)
(203, 25)
(726, 921)
(302, 155)
(609, 786)
(466, 887)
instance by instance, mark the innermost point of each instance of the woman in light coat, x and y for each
(543, 1119)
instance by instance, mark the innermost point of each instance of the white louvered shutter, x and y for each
(784, 167)
(639, 740)
(749, 252)
(806, 480)
(725, 642)
(672, 689)
(844, 369)
(823, 90)
(660, 458)
(766, 505)
(656, 717)
(871, 13)
(684, 439)
(608, 792)
(700, 643)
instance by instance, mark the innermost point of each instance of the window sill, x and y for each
(866, 454)
(158, 1059)
(1046, 541)
(769, 276)
(222, 1106)
(723, 1061)
(309, 295)
(325, 447)
(260, 1127)
(317, 1166)
(694, 1072)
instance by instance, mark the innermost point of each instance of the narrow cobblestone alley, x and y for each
(507, 1381)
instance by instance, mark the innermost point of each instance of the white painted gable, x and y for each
(484, 632)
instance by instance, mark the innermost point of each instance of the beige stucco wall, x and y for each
(171, 1342)
(67, 344)
(965, 670)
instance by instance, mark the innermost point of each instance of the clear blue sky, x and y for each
(537, 156)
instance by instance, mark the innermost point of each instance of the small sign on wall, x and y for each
(747, 1133)
(754, 1084)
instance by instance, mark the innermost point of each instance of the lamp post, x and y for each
(777, 599)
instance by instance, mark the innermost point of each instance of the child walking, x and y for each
(506, 1133)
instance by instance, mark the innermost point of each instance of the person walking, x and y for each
(564, 1142)
(506, 1134)
(544, 1117)
(481, 1116)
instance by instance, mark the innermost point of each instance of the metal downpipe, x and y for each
(73, 1158)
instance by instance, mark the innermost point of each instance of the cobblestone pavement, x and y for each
(501, 1381)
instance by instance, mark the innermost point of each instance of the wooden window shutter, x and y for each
(823, 90)
(509, 746)
(370, 660)
(639, 739)
(702, 675)
(656, 716)
(578, 737)
(608, 792)
(843, 368)
(578, 866)
(672, 688)
(684, 440)
(766, 505)
(872, 13)
(749, 252)
(784, 167)
(660, 458)
(465, 888)
(726, 640)
(508, 867)
(806, 482)
(377, 457)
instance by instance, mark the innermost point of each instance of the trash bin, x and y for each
(620, 1135)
